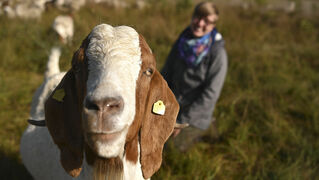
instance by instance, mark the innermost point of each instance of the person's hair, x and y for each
(204, 9)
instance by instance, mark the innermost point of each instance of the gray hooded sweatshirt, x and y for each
(197, 89)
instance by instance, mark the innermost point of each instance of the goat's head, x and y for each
(104, 102)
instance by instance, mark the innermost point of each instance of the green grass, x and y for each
(267, 114)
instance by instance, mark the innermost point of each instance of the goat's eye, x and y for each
(148, 72)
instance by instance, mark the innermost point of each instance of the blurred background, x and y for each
(268, 112)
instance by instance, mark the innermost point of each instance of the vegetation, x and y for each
(268, 118)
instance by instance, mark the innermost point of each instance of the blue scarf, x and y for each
(191, 49)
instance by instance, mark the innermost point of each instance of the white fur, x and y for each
(30, 9)
(63, 25)
(114, 55)
(53, 62)
(53, 77)
(73, 4)
(112, 149)
(114, 64)
(41, 157)
(133, 170)
(37, 149)
(41, 95)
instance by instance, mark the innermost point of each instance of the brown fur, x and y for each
(104, 168)
(111, 168)
(151, 130)
(64, 118)
(154, 129)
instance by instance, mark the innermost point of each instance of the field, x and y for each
(268, 112)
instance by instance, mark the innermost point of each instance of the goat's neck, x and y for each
(118, 168)
(133, 170)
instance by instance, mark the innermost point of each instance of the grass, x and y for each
(268, 116)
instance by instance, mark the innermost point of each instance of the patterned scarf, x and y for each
(191, 49)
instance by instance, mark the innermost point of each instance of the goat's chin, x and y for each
(107, 146)
(111, 168)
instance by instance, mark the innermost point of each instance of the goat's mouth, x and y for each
(104, 137)
(106, 144)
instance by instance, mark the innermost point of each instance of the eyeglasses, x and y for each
(206, 20)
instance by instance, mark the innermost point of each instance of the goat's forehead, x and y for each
(107, 43)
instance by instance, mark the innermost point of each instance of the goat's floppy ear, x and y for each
(157, 125)
(63, 119)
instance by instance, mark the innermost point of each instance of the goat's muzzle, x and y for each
(107, 106)
(100, 115)
(102, 124)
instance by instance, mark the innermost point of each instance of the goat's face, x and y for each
(104, 103)
(114, 62)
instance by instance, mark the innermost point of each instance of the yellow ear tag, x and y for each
(159, 108)
(59, 95)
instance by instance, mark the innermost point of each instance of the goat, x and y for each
(110, 115)
(27, 9)
(64, 27)
(52, 78)
(69, 4)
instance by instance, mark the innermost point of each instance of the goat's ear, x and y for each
(63, 119)
(157, 126)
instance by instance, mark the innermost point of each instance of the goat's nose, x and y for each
(109, 105)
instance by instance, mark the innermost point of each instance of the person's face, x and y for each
(201, 26)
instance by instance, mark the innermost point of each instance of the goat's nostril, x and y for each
(107, 105)
(90, 105)
(113, 103)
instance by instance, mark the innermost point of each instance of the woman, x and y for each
(195, 71)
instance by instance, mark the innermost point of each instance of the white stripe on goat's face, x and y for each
(114, 62)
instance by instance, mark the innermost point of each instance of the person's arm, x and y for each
(204, 105)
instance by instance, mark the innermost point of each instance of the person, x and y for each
(195, 70)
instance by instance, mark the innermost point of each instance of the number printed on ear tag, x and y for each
(159, 108)
(59, 95)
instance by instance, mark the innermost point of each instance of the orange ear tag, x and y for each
(159, 108)
(59, 95)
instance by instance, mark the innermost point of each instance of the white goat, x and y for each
(63, 25)
(108, 118)
(72, 4)
(27, 9)
(52, 78)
